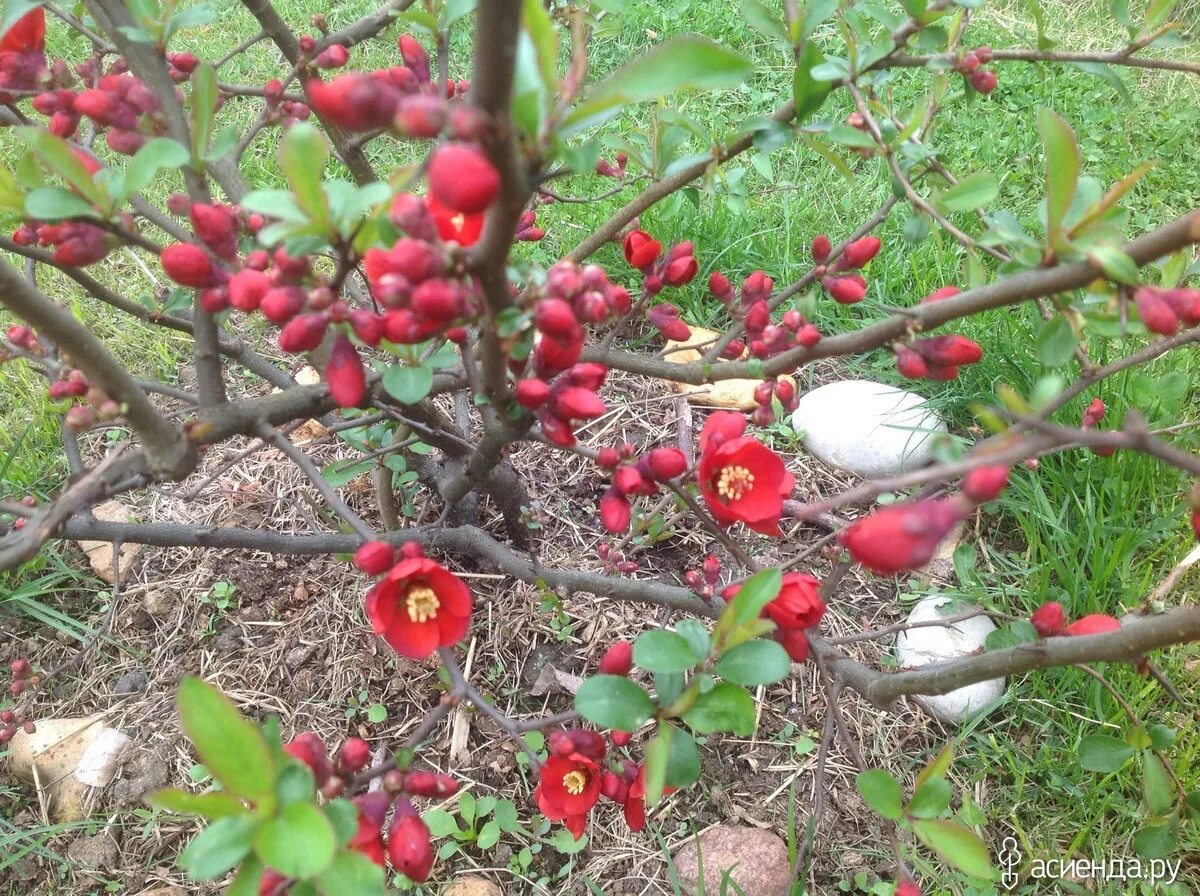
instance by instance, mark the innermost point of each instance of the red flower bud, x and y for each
(821, 247)
(666, 463)
(532, 393)
(438, 301)
(303, 332)
(556, 318)
(1049, 619)
(216, 225)
(375, 557)
(937, 295)
(310, 749)
(906, 887)
(344, 374)
(408, 847)
(577, 403)
(984, 80)
(414, 56)
(859, 252)
(187, 265)
(618, 659)
(354, 101)
(430, 784)
(720, 287)
(589, 375)
(629, 481)
(1093, 413)
(758, 316)
(607, 458)
(680, 271)
(641, 249)
(354, 755)
(847, 290)
(421, 115)
(1156, 313)
(461, 177)
(951, 350)
(334, 56)
(985, 484)
(281, 304)
(615, 512)
(901, 536)
(247, 288)
(367, 326)
(1095, 624)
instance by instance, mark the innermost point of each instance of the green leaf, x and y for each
(248, 878)
(816, 13)
(613, 701)
(727, 707)
(1116, 264)
(683, 759)
(1102, 753)
(1158, 789)
(753, 663)
(408, 385)
(210, 805)
(808, 92)
(232, 748)
(1055, 341)
(276, 204)
(657, 753)
(303, 153)
(1062, 172)
(696, 635)
(662, 651)
(756, 592)
(542, 35)
(343, 817)
(882, 793)
(351, 874)
(972, 192)
(931, 799)
(1161, 736)
(764, 21)
(466, 806)
(958, 845)
(1156, 841)
(1157, 14)
(58, 157)
(1192, 804)
(377, 713)
(295, 783)
(440, 822)
(299, 842)
(489, 835)
(56, 203)
(204, 105)
(218, 847)
(156, 154)
(938, 765)
(689, 62)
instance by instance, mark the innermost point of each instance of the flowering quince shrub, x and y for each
(397, 281)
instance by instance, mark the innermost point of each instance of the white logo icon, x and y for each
(1009, 860)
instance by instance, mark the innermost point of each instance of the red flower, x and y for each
(1095, 624)
(368, 839)
(903, 536)
(354, 101)
(462, 178)
(27, 34)
(452, 226)
(419, 607)
(798, 604)
(375, 557)
(740, 478)
(641, 249)
(795, 642)
(567, 790)
(861, 251)
(1049, 619)
(985, 484)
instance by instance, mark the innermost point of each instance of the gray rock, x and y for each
(131, 683)
(918, 647)
(867, 428)
(160, 601)
(99, 852)
(759, 860)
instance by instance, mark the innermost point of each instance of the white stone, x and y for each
(918, 647)
(867, 428)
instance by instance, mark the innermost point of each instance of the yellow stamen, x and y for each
(734, 483)
(422, 603)
(575, 782)
(458, 221)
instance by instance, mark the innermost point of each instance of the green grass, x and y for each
(1095, 533)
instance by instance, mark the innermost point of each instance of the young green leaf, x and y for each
(727, 707)
(351, 874)
(408, 385)
(209, 805)
(299, 842)
(303, 153)
(882, 793)
(219, 847)
(809, 92)
(1062, 172)
(659, 650)
(1157, 788)
(754, 663)
(958, 845)
(931, 799)
(233, 749)
(972, 192)
(1103, 753)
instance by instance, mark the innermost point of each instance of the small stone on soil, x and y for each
(131, 683)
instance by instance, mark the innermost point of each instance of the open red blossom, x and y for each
(1049, 619)
(1095, 624)
(902, 536)
(454, 226)
(741, 479)
(27, 35)
(462, 178)
(567, 790)
(368, 839)
(641, 249)
(419, 607)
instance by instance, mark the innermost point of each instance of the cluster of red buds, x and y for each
(677, 267)
(936, 357)
(14, 720)
(1050, 620)
(1162, 310)
(614, 560)
(765, 394)
(281, 110)
(631, 478)
(96, 403)
(403, 99)
(76, 243)
(842, 280)
(406, 846)
(970, 66)
(571, 297)
(121, 104)
(22, 60)
(766, 338)
(704, 580)
(24, 338)
(616, 168)
(566, 403)
(527, 229)
(1092, 415)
